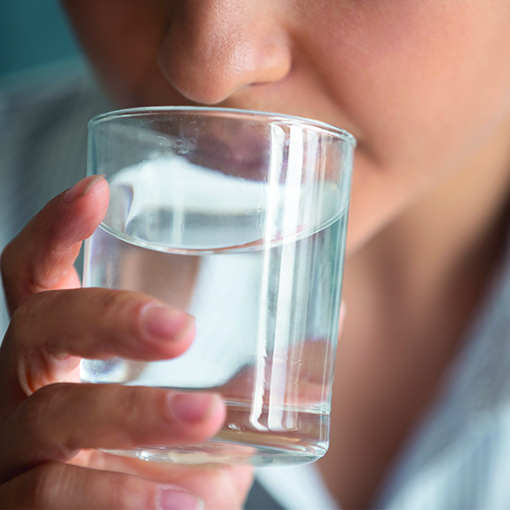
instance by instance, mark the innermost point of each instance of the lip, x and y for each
(242, 155)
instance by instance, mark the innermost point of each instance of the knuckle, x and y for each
(35, 306)
(22, 317)
(27, 335)
(112, 302)
(115, 304)
(44, 414)
(136, 400)
(43, 405)
(130, 492)
(48, 484)
(58, 485)
(20, 279)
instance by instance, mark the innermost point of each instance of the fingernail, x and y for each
(80, 188)
(163, 323)
(193, 407)
(175, 499)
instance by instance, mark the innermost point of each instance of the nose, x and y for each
(213, 48)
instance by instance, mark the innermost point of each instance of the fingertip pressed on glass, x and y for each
(238, 218)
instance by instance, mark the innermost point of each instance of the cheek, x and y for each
(122, 39)
(424, 83)
(420, 75)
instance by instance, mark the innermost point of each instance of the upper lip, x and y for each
(243, 156)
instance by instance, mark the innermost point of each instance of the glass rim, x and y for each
(234, 112)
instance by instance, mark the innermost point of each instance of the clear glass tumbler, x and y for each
(239, 218)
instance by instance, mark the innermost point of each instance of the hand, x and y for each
(51, 427)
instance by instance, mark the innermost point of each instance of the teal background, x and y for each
(34, 33)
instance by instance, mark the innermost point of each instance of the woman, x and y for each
(425, 88)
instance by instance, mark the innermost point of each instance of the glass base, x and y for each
(217, 451)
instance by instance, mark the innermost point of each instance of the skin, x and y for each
(425, 88)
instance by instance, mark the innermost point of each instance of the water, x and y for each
(239, 442)
(266, 311)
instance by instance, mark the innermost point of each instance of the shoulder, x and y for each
(42, 109)
(43, 131)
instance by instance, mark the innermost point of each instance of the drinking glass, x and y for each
(239, 218)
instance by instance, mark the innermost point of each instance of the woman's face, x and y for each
(422, 84)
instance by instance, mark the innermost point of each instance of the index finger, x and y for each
(41, 257)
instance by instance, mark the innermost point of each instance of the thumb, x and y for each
(41, 257)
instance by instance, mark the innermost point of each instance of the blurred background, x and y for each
(34, 33)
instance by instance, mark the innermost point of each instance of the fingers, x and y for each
(222, 487)
(218, 485)
(41, 257)
(59, 486)
(59, 420)
(51, 331)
